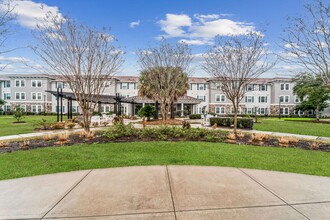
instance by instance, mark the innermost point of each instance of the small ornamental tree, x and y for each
(18, 113)
(313, 93)
(147, 111)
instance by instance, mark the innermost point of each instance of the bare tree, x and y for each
(83, 57)
(307, 40)
(164, 75)
(235, 62)
(6, 16)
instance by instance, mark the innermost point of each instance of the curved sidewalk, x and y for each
(166, 192)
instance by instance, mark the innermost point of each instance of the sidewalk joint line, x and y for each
(169, 183)
(112, 215)
(229, 208)
(70, 190)
(269, 190)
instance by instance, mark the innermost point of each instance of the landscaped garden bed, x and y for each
(128, 133)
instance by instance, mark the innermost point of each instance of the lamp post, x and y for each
(279, 107)
(59, 95)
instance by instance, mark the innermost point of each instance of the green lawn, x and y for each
(7, 127)
(80, 157)
(292, 127)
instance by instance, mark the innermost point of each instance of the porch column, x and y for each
(156, 110)
(143, 104)
(99, 107)
(182, 113)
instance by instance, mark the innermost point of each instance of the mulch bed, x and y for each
(76, 139)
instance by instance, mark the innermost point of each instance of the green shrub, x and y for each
(164, 133)
(121, 130)
(18, 113)
(246, 123)
(147, 111)
(195, 116)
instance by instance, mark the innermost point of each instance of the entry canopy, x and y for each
(111, 99)
(104, 99)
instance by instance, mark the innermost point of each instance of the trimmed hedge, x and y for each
(195, 116)
(228, 122)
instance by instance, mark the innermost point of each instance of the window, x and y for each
(6, 96)
(249, 88)
(135, 85)
(6, 84)
(63, 108)
(297, 99)
(217, 86)
(232, 110)
(202, 97)
(262, 87)
(220, 110)
(37, 108)
(263, 111)
(7, 108)
(20, 95)
(20, 83)
(220, 98)
(201, 86)
(249, 99)
(285, 86)
(262, 99)
(284, 98)
(191, 86)
(75, 109)
(23, 107)
(249, 110)
(60, 85)
(36, 83)
(284, 111)
(36, 96)
(124, 85)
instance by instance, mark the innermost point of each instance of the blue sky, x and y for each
(139, 23)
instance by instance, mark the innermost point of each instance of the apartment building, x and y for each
(265, 96)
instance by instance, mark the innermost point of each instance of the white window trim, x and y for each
(20, 95)
(284, 87)
(36, 80)
(283, 111)
(284, 98)
(36, 96)
(20, 83)
(263, 96)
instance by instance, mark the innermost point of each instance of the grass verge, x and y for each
(80, 157)
(7, 127)
(296, 127)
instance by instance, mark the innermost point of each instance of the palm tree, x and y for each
(165, 85)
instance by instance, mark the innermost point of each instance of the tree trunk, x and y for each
(317, 112)
(172, 111)
(235, 116)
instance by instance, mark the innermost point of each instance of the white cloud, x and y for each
(201, 29)
(195, 42)
(13, 59)
(29, 12)
(173, 24)
(134, 24)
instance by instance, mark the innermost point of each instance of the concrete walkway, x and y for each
(167, 193)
